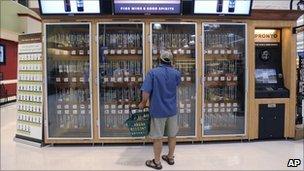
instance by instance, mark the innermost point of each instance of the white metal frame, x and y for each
(97, 78)
(246, 81)
(196, 65)
(45, 81)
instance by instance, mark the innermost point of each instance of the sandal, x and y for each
(170, 161)
(152, 164)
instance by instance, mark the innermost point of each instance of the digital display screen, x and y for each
(69, 6)
(1, 54)
(147, 6)
(266, 76)
(222, 7)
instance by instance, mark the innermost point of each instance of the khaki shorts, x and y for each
(161, 126)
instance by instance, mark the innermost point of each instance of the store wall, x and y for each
(12, 25)
(9, 69)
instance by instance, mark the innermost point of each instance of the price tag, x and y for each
(222, 104)
(119, 106)
(139, 52)
(235, 52)
(175, 52)
(112, 79)
(228, 78)
(228, 104)
(235, 109)
(235, 78)
(133, 105)
(106, 106)
(112, 52)
(81, 52)
(209, 110)
(216, 110)
(126, 51)
(222, 78)
(188, 52)
(228, 110)
(229, 52)
(81, 79)
(188, 110)
(66, 112)
(216, 52)
(133, 79)
(139, 79)
(209, 78)
(133, 51)
(181, 105)
(113, 106)
(182, 111)
(106, 79)
(74, 79)
(120, 111)
(58, 106)
(154, 52)
(105, 52)
(119, 79)
(222, 52)
(82, 112)
(119, 52)
(75, 112)
(126, 111)
(127, 106)
(216, 78)
(182, 52)
(209, 105)
(188, 105)
(209, 52)
(66, 106)
(223, 110)
(235, 105)
(126, 79)
(188, 78)
(75, 106)
(182, 79)
(107, 112)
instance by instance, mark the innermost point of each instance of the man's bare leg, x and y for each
(157, 147)
(171, 144)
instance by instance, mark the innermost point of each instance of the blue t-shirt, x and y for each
(161, 83)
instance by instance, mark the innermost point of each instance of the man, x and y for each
(160, 87)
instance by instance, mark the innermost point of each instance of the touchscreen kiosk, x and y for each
(269, 78)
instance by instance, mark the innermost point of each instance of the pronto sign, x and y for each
(267, 36)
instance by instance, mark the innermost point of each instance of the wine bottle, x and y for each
(80, 5)
(67, 5)
(231, 6)
(219, 7)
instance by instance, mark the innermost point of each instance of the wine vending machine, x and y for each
(269, 82)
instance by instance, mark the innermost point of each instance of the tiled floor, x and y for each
(268, 155)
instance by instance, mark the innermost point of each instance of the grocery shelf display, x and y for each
(68, 86)
(224, 78)
(180, 40)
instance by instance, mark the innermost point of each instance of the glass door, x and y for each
(180, 39)
(68, 87)
(224, 79)
(121, 68)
